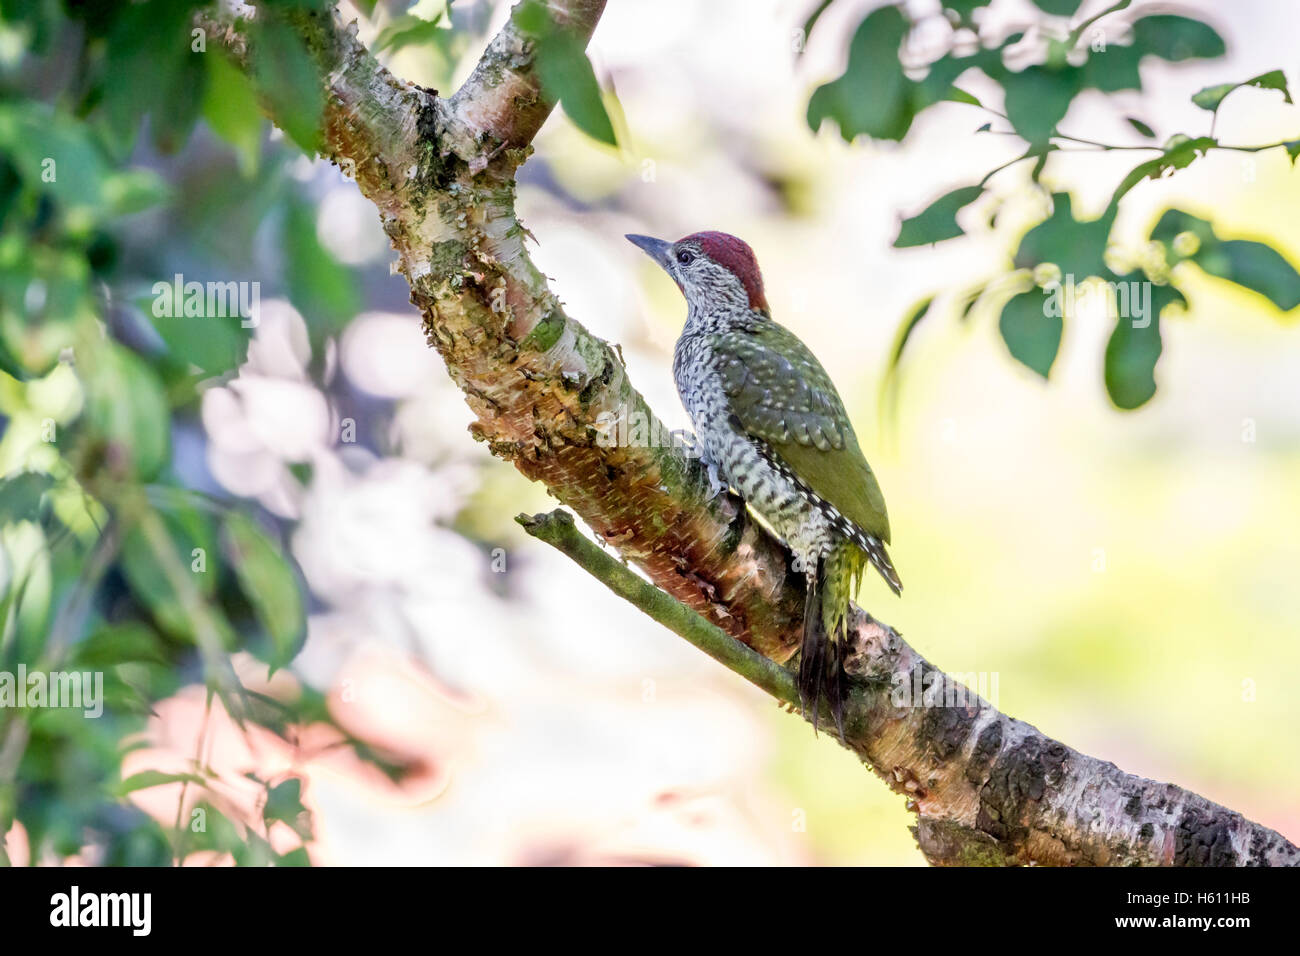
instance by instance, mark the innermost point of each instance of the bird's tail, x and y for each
(831, 586)
(819, 656)
(879, 558)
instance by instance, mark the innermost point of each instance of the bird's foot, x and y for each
(694, 448)
(716, 485)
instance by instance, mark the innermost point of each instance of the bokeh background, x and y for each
(1127, 580)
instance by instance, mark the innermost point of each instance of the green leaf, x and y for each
(121, 697)
(813, 17)
(565, 72)
(1077, 247)
(10, 363)
(152, 69)
(175, 115)
(221, 835)
(271, 586)
(1113, 69)
(1058, 8)
(298, 857)
(567, 77)
(1141, 127)
(126, 409)
(150, 571)
(905, 331)
(53, 154)
(937, 86)
(284, 804)
(289, 80)
(872, 97)
(965, 7)
(532, 18)
(35, 329)
(230, 108)
(1031, 333)
(1038, 99)
(1210, 97)
(215, 344)
(1254, 265)
(1176, 38)
(20, 495)
(1133, 350)
(1179, 153)
(134, 190)
(153, 778)
(956, 94)
(320, 287)
(938, 221)
(972, 297)
(1292, 149)
(128, 642)
(408, 30)
(1176, 221)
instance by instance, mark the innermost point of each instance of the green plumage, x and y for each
(771, 424)
(781, 393)
(841, 578)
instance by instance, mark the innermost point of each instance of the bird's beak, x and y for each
(656, 249)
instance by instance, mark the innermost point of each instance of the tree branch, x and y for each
(555, 401)
(558, 530)
(501, 103)
(988, 790)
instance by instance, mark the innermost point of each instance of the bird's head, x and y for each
(713, 269)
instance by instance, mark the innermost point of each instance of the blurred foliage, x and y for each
(885, 87)
(109, 562)
(118, 126)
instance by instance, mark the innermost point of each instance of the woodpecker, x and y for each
(769, 423)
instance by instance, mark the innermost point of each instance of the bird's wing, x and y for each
(781, 394)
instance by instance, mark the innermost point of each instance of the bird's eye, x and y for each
(685, 257)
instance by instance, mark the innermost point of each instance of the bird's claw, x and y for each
(695, 448)
(716, 485)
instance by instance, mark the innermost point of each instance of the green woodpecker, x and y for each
(770, 424)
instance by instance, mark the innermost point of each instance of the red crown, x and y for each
(734, 254)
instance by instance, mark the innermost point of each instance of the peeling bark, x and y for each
(987, 789)
(992, 789)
